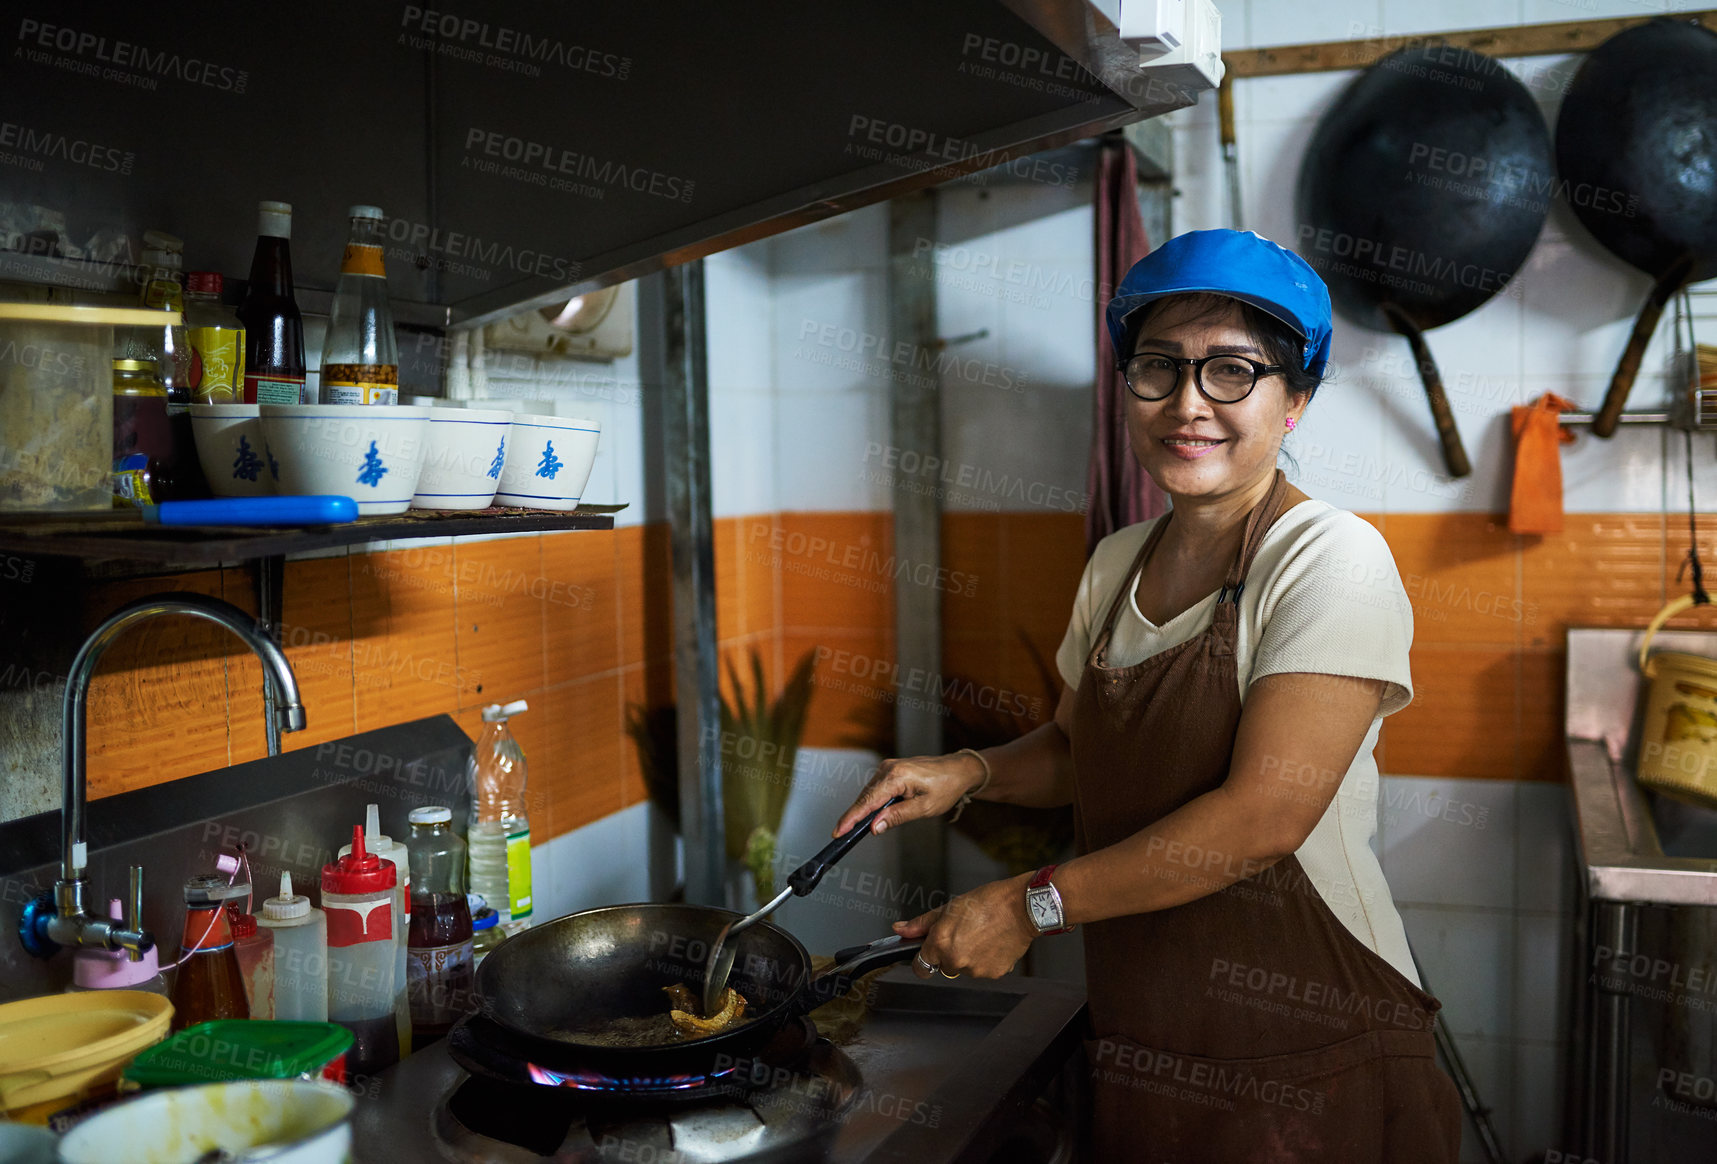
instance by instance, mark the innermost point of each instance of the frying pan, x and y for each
(1636, 151)
(578, 972)
(1421, 193)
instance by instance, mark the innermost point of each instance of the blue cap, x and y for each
(1235, 263)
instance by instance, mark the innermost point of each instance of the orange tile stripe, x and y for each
(581, 625)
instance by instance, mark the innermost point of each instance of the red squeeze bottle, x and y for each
(357, 896)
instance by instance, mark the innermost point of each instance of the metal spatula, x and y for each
(802, 881)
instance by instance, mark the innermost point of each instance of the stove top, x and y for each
(937, 1073)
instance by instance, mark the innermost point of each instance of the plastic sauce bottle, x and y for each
(208, 983)
(97, 969)
(500, 832)
(300, 955)
(255, 949)
(273, 328)
(357, 895)
(388, 849)
(439, 970)
(217, 338)
(360, 358)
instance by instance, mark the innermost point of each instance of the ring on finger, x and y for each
(919, 958)
(945, 974)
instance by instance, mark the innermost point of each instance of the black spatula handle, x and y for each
(805, 877)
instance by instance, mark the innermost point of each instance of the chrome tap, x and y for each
(64, 919)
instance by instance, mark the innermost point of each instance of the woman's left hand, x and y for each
(983, 933)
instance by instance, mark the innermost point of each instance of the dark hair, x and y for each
(1280, 343)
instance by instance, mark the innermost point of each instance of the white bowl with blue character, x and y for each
(548, 461)
(371, 453)
(463, 458)
(232, 449)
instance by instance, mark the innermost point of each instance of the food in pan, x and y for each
(687, 1021)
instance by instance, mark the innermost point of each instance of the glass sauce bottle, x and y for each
(273, 328)
(439, 971)
(208, 983)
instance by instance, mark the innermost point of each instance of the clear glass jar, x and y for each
(440, 959)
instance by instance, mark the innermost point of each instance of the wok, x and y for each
(1636, 151)
(1421, 193)
(578, 972)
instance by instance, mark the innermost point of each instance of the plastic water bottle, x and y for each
(300, 955)
(499, 836)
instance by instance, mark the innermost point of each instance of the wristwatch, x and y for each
(1043, 904)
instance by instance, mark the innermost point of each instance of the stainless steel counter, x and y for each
(1621, 856)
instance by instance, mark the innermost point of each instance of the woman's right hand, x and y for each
(930, 786)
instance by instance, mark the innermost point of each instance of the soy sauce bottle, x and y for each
(440, 963)
(273, 329)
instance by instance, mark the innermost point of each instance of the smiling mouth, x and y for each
(1191, 442)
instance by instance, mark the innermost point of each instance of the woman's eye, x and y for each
(1231, 368)
(1154, 364)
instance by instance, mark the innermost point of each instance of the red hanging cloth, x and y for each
(1120, 492)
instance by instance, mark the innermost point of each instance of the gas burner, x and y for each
(777, 1106)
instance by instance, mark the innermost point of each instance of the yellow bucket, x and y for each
(1678, 737)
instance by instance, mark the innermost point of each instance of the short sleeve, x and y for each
(1076, 643)
(1337, 607)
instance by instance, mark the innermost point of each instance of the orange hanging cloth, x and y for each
(1535, 504)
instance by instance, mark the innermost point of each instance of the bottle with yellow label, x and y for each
(217, 337)
(360, 361)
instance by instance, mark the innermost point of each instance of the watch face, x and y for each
(1042, 910)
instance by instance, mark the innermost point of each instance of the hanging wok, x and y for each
(1636, 151)
(1421, 193)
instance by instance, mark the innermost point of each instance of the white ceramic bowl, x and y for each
(462, 458)
(369, 452)
(283, 1121)
(232, 449)
(548, 461)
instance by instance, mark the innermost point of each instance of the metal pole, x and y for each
(1614, 927)
(916, 423)
(679, 294)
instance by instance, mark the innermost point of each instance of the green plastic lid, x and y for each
(240, 1049)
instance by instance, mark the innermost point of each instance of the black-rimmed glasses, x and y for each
(1221, 378)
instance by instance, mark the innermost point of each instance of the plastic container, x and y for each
(208, 984)
(300, 954)
(217, 338)
(360, 358)
(357, 895)
(98, 969)
(440, 984)
(1677, 747)
(60, 1050)
(283, 1121)
(255, 949)
(212, 1052)
(56, 404)
(388, 849)
(486, 931)
(499, 836)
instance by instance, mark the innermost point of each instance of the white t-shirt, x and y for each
(1324, 597)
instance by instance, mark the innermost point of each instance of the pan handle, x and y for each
(805, 877)
(1454, 454)
(855, 962)
(1604, 424)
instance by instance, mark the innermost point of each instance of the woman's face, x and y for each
(1191, 447)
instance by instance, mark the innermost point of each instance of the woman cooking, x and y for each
(1227, 667)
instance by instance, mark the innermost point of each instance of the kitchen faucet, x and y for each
(64, 918)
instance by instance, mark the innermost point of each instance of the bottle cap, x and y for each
(359, 871)
(274, 219)
(206, 889)
(485, 920)
(97, 969)
(134, 366)
(160, 240)
(496, 712)
(205, 282)
(287, 905)
(429, 815)
(243, 924)
(365, 212)
(275, 208)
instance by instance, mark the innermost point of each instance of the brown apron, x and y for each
(1248, 1024)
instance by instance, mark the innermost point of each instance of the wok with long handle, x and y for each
(549, 987)
(1422, 192)
(1636, 155)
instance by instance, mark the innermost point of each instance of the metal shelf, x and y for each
(123, 537)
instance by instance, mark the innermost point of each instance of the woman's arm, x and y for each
(1034, 770)
(1297, 737)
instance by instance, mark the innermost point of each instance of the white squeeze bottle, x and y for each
(499, 837)
(385, 847)
(300, 955)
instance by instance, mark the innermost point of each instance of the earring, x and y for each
(1291, 423)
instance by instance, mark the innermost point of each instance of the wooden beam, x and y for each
(1519, 40)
